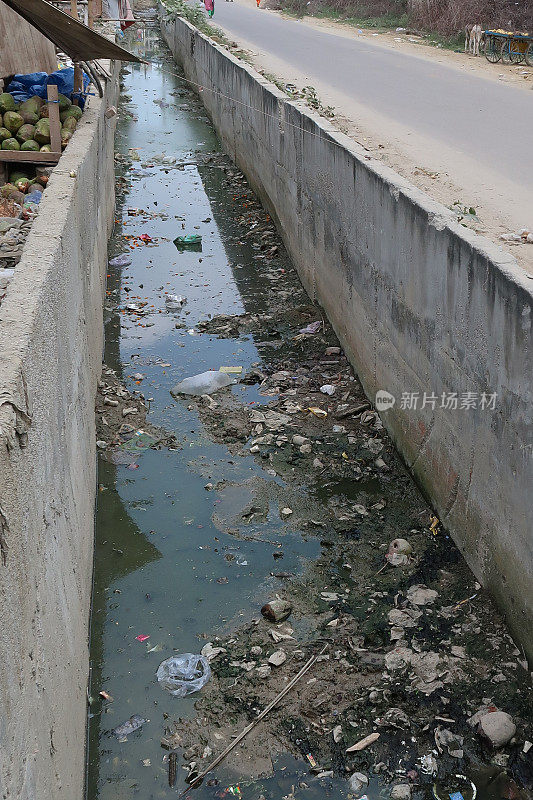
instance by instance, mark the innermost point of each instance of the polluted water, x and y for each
(275, 490)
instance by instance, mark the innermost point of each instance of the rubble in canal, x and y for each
(415, 647)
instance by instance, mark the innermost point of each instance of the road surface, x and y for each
(475, 131)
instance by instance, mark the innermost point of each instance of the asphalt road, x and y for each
(488, 122)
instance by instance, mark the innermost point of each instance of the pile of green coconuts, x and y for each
(26, 126)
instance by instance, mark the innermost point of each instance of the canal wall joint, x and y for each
(51, 338)
(426, 310)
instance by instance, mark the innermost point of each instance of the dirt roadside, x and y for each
(449, 176)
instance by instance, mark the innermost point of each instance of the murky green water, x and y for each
(159, 556)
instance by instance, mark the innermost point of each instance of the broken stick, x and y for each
(252, 725)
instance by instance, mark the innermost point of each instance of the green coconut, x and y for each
(70, 124)
(25, 133)
(4, 134)
(13, 121)
(66, 136)
(10, 144)
(7, 103)
(73, 111)
(45, 148)
(31, 106)
(22, 184)
(42, 131)
(29, 117)
(30, 144)
(64, 103)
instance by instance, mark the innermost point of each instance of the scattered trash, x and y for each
(458, 787)
(172, 769)
(313, 327)
(192, 241)
(204, 383)
(276, 610)
(231, 370)
(399, 552)
(174, 302)
(286, 512)
(327, 388)
(142, 637)
(402, 791)
(363, 743)
(524, 235)
(428, 765)
(106, 696)
(123, 260)
(130, 726)
(317, 412)
(184, 674)
(210, 652)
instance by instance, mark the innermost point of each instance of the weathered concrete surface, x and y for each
(420, 303)
(51, 336)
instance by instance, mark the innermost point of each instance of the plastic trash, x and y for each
(192, 240)
(132, 724)
(313, 327)
(174, 302)
(120, 261)
(204, 383)
(184, 674)
(327, 388)
(33, 197)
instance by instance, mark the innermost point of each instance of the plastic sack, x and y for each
(22, 87)
(122, 260)
(204, 383)
(184, 674)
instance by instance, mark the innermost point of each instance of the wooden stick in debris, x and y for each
(307, 666)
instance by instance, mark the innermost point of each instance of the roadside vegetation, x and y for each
(444, 19)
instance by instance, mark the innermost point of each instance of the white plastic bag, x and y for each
(184, 674)
(204, 383)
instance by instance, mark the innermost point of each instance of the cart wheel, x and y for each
(511, 52)
(529, 55)
(493, 53)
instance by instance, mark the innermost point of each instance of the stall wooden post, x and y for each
(78, 83)
(74, 9)
(53, 116)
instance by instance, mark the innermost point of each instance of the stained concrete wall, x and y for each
(420, 303)
(51, 337)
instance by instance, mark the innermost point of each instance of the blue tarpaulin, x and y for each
(22, 87)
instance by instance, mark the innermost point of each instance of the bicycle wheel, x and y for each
(529, 55)
(493, 51)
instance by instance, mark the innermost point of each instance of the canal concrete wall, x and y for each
(51, 337)
(420, 303)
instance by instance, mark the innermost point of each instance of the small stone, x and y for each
(498, 727)
(109, 402)
(420, 595)
(263, 671)
(305, 449)
(298, 440)
(332, 351)
(357, 782)
(402, 791)
(337, 733)
(286, 512)
(327, 388)
(208, 487)
(278, 658)
(101, 444)
(317, 464)
(256, 650)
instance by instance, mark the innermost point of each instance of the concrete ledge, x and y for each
(420, 303)
(51, 338)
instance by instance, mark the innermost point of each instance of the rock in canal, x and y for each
(402, 791)
(278, 658)
(498, 727)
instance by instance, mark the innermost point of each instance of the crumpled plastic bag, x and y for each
(204, 383)
(184, 674)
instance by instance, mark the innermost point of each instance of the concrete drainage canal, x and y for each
(281, 485)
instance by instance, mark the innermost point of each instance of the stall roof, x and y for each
(68, 34)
